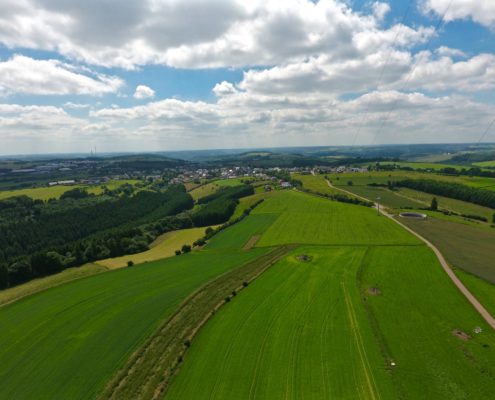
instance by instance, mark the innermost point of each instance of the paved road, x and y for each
(464, 290)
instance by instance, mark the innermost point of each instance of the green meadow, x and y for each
(68, 341)
(358, 309)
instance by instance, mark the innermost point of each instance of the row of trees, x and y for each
(219, 206)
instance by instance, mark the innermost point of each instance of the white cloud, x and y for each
(480, 11)
(144, 92)
(450, 52)
(198, 33)
(25, 75)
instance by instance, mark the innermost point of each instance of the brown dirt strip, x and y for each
(453, 277)
(148, 371)
(251, 242)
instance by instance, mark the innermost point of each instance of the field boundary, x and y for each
(485, 314)
(148, 371)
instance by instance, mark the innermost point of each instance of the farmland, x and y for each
(162, 247)
(312, 328)
(54, 192)
(68, 341)
(325, 320)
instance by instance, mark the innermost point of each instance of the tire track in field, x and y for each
(261, 353)
(252, 313)
(372, 391)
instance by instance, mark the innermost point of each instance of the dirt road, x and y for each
(443, 262)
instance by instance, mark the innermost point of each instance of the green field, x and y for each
(382, 177)
(40, 284)
(312, 330)
(307, 219)
(484, 290)
(54, 192)
(464, 246)
(485, 164)
(315, 183)
(68, 341)
(330, 324)
(163, 247)
(422, 165)
(203, 190)
(228, 182)
(445, 203)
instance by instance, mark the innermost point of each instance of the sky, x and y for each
(155, 75)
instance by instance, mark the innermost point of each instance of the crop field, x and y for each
(382, 177)
(163, 247)
(306, 219)
(203, 191)
(458, 206)
(54, 192)
(40, 284)
(68, 341)
(298, 332)
(313, 329)
(464, 246)
(482, 289)
(247, 202)
(422, 165)
(316, 183)
(486, 164)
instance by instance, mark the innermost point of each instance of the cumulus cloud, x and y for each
(480, 11)
(144, 92)
(25, 75)
(197, 33)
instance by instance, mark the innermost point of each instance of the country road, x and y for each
(443, 262)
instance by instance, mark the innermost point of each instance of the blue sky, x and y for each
(196, 74)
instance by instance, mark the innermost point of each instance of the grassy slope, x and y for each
(461, 207)
(485, 291)
(316, 183)
(203, 190)
(45, 193)
(312, 220)
(163, 247)
(38, 285)
(297, 332)
(464, 246)
(360, 179)
(66, 342)
(415, 316)
(248, 201)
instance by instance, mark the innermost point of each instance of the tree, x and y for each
(493, 218)
(186, 248)
(434, 204)
(19, 272)
(349, 183)
(130, 263)
(4, 277)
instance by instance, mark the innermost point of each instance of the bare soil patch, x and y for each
(251, 242)
(374, 291)
(304, 258)
(461, 334)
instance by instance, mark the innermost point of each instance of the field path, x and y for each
(443, 262)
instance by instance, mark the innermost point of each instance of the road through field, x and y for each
(463, 289)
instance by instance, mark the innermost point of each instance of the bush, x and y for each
(186, 248)
(178, 252)
(130, 263)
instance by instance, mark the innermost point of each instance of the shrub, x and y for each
(178, 252)
(186, 248)
(130, 263)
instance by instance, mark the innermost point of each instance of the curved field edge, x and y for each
(149, 369)
(70, 340)
(335, 327)
(38, 285)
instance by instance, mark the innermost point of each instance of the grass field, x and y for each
(298, 332)
(45, 193)
(422, 165)
(164, 246)
(228, 182)
(464, 246)
(312, 330)
(203, 191)
(316, 183)
(306, 219)
(483, 290)
(248, 201)
(486, 164)
(38, 285)
(458, 206)
(365, 178)
(68, 341)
